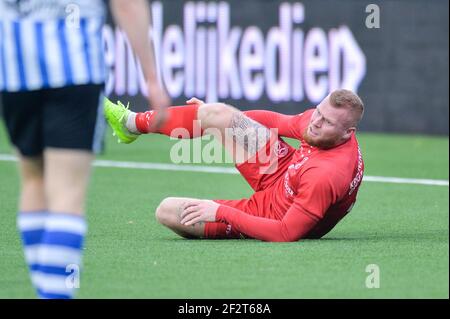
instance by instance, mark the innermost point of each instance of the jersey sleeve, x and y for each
(307, 209)
(288, 125)
(292, 227)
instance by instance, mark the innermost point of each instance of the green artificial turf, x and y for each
(401, 228)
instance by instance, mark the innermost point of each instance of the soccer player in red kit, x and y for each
(299, 193)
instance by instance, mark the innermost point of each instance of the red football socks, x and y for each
(178, 117)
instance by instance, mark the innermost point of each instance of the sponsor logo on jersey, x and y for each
(280, 149)
(289, 192)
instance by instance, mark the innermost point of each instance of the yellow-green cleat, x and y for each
(117, 115)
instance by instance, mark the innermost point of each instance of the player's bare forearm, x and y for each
(134, 18)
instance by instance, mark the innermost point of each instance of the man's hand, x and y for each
(135, 19)
(159, 100)
(199, 211)
(194, 100)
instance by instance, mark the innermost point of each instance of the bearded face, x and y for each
(328, 127)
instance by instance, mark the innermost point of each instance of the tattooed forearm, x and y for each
(248, 133)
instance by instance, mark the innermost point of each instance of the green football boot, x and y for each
(117, 115)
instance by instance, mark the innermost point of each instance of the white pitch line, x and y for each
(398, 180)
(167, 167)
(232, 170)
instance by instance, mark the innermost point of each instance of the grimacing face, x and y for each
(329, 126)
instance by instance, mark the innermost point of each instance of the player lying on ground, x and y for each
(299, 193)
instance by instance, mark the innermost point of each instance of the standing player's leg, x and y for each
(67, 173)
(32, 195)
(69, 119)
(32, 210)
(22, 113)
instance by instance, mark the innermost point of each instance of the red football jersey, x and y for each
(312, 190)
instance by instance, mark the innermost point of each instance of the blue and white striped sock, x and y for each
(31, 226)
(60, 255)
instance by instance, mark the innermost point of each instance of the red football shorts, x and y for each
(261, 171)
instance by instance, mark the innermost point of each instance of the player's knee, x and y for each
(35, 183)
(164, 212)
(33, 195)
(214, 115)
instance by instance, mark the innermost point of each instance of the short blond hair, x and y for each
(347, 99)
